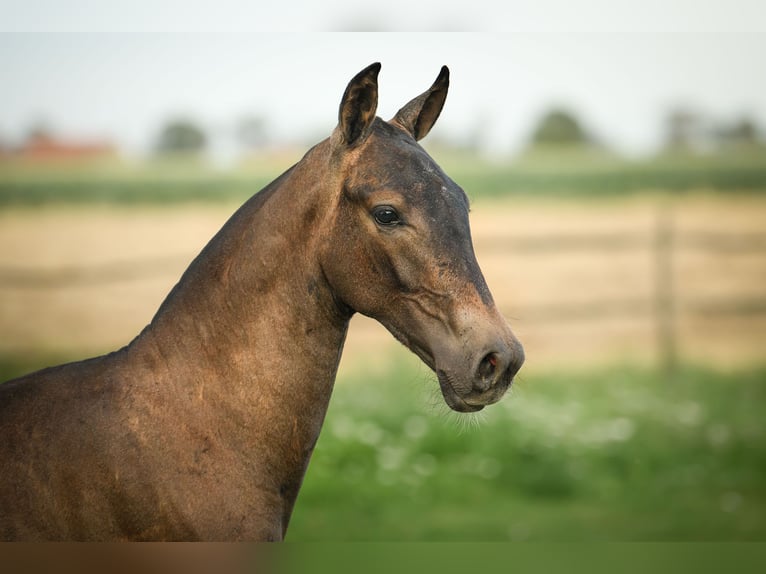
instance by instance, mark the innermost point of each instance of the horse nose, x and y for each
(499, 363)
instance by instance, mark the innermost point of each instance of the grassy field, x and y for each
(567, 173)
(612, 454)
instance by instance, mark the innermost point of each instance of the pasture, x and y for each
(596, 441)
(607, 454)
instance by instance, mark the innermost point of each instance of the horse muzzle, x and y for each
(486, 378)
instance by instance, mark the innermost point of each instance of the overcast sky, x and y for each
(119, 72)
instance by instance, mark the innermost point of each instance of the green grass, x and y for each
(615, 454)
(584, 173)
(556, 174)
(610, 454)
(115, 182)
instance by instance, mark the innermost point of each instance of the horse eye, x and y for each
(385, 215)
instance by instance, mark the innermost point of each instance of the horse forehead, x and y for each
(428, 188)
(397, 164)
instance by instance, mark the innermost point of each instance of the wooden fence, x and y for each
(663, 241)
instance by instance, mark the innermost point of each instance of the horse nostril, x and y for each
(486, 371)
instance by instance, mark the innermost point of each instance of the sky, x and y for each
(119, 70)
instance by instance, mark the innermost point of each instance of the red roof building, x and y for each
(45, 147)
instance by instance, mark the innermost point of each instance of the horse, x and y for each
(202, 427)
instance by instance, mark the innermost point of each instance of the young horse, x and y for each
(203, 426)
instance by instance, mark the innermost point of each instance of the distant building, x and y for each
(45, 147)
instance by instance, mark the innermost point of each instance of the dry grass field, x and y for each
(79, 280)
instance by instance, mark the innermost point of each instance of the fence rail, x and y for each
(88, 274)
(662, 241)
(17, 276)
(717, 241)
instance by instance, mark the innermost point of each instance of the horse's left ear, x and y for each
(420, 114)
(357, 108)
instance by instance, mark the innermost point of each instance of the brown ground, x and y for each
(107, 269)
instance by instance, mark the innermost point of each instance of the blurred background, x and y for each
(617, 171)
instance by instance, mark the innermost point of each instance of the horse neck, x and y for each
(253, 325)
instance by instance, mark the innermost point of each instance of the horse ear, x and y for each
(357, 108)
(421, 113)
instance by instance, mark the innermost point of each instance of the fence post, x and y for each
(665, 304)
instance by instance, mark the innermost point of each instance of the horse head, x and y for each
(399, 249)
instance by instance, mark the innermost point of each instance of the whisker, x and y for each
(467, 422)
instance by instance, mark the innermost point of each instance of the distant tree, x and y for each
(559, 127)
(181, 136)
(743, 132)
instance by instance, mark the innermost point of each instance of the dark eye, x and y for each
(385, 215)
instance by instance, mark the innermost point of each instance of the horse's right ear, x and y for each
(420, 114)
(358, 106)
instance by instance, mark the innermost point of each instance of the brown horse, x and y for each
(203, 426)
